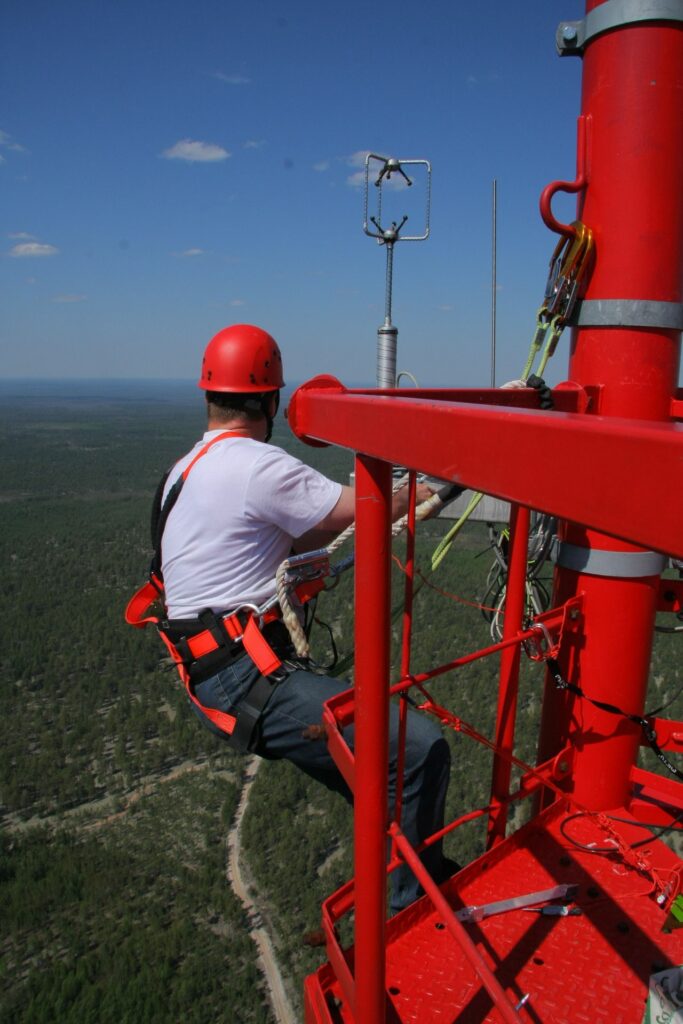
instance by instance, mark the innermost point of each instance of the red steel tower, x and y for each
(608, 462)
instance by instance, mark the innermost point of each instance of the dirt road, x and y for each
(266, 953)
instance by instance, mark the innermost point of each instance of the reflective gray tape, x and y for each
(572, 36)
(624, 564)
(628, 313)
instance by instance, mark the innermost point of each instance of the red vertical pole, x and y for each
(515, 600)
(372, 632)
(407, 639)
(628, 345)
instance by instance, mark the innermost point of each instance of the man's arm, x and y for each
(344, 512)
(334, 522)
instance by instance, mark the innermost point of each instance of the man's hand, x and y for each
(399, 505)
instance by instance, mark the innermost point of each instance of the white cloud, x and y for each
(237, 302)
(21, 236)
(193, 151)
(254, 144)
(322, 165)
(488, 78)
(24, 249)
(69, 298)
(234, 79)
(7, 143)
(356, 180)
(445, 308)
(193, 252)
(358, 158)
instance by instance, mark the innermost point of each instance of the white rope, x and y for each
(289, 614)
(351, 528)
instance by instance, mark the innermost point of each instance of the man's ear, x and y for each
(274, 404)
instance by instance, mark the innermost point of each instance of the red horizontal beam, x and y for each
(622, 477)
(652, 789)
(567, 397)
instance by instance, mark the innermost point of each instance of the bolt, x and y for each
(563, 766)
(569, 34)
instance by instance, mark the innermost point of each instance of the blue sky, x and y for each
(169, 168)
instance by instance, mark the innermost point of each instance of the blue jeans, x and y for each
(295, 704)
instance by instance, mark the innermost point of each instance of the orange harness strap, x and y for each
(210, 444)
(138, 614)
(255, 644)
(221, 719)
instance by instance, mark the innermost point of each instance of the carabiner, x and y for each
(534, 646)
(568, 266)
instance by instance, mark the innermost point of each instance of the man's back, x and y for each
(241, 506)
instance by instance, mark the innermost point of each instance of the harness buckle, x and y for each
(232, 620)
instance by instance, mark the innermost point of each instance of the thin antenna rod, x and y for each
(494, 217)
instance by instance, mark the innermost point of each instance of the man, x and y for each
(244, 505)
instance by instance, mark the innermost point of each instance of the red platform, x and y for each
(594, 967)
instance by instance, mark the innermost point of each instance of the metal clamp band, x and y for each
(622, 564)
(572, 37)
(628, 313)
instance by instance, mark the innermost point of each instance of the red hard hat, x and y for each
(242, 358)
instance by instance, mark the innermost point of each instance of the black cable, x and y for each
(644, 721)
(335, 652)
(623, 821)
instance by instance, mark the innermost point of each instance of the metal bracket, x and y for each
(572, 37)
(621, 564)
(628, 313)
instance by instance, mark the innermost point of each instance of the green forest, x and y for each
(115, 803)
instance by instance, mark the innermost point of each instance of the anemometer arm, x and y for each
(392, 166)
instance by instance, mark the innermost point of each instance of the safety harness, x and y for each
(201, 647)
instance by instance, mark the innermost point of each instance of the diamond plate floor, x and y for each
(590, 968)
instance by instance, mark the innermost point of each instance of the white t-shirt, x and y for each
(240, 507)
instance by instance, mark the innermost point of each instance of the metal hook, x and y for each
(581, 180)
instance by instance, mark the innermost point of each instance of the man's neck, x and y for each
(255, 429)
